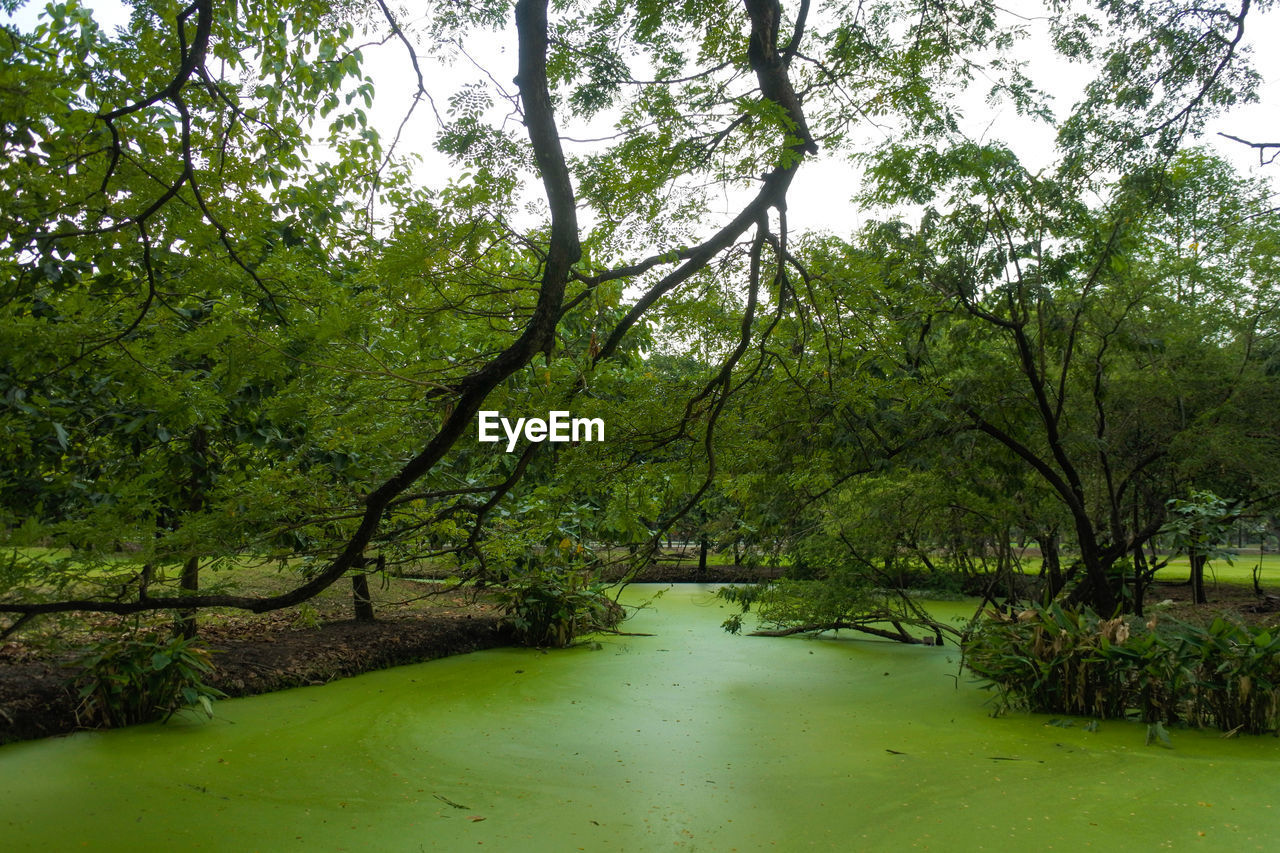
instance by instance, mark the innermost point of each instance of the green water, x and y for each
(690, 739)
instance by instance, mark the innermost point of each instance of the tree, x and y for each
(1027, 365)
(1198, 527)
(159, 140)
(1088, 343)
(176, 165)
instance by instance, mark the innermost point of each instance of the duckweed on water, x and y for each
(688, 739)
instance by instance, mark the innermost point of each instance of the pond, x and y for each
(690, 739)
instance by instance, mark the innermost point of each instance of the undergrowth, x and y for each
(140, 677)
(1065, 661)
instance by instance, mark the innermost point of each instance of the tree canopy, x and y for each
(243, 318)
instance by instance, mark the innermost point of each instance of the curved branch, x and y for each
(192, 58)
(839, 625)
(538, 335)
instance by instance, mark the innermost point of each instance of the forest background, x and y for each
(251, 311)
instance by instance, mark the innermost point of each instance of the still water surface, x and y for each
(687, 740)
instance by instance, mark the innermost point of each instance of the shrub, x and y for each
(552, 606)
(137, 678)
(1057, 660)
(1051, 660)
(1238, 678)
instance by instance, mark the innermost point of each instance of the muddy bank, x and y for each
(37, 700)
(260, 654)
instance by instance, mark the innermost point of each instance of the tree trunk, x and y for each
(1197, 578)
(1257, 570)
(1051, 564)
(363, 602)
(1098, 590)
(1005, 565)
(190, 582)
(1095, 589)
(195, 487)
(703, 545)
(1139, 579)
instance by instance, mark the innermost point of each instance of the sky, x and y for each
(820, 196)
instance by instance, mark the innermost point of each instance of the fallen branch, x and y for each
(814, 628)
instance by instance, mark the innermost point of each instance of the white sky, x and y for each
(819, 197)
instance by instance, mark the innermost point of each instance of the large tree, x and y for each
(221, 154)
(216, 166)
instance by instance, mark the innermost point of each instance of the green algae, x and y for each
(689, 739)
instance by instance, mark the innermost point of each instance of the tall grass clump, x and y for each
(1060, 660)
(136, 678)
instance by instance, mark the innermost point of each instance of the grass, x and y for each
(1239, 571)
(242, 576)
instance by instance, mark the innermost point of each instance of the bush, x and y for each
(1061, 661)
(553, 606)
(137, 678)
(1238, 678)
(1051, 660)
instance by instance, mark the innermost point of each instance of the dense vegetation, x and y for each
(245, 321)
(1053, 660)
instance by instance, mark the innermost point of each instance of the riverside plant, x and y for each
(551, 606)
(1071, 661)
(136, 678)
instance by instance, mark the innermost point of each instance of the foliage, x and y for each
(1237, 684)
(1199, 525)
(1051, 660)
(241, 323)
(845, 601)
(1164, 66)
(554, 607)
(136, 678)
(1071, 661)
(550, 597)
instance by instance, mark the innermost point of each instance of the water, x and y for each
(688, 740)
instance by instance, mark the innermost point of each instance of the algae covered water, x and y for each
(688, 739)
